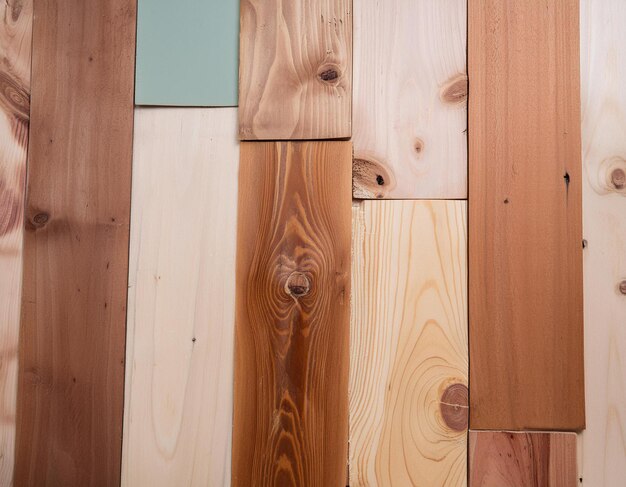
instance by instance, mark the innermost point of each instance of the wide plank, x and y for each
(409, 359)
(295, 69)
(292, 315)
(71, 353)
(410, 99)
(525, 235)
(181, 298)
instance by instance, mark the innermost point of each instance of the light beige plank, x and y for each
(177, 428)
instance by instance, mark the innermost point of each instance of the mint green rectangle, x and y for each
(187, 52)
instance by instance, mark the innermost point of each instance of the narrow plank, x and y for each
(410, 99)
(525, 268)
(187, 52)
(292, 315)
(15, 50)
(181, 301)
(409, 359)
(71, 352)
(295, 69)
(506, 459)
(603, 63)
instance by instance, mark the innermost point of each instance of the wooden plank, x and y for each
(525, 268)
(408, 367)
(187, 52)
(181, 302)
(295, 69)
(410, 99)
(603, 63)
(292, 315)
(15, 50)
(506, 459)
(71, 354)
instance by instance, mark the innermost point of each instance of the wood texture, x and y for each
(505, 459)
(603, 63)
(181, 301)
(408, 367)
(71, 355)
(295, 69)
(525, 236)
(410, 99)
(15, 53)
(292, 315)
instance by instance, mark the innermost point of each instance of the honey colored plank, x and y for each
(15, 52)
(410, 99)
(292, 315)
(506, 459)
(295, 69)
(525, 268)
(71, 353)
(409, 359)
(181, 301)
(603, 63)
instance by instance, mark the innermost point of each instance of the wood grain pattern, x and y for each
(292, 315)
(71, 355)
(16, 20)
(181, 301)
(295, 69)
(603, 63)
(409, 359)
(525, 236)
(410, 99)
(505, 459)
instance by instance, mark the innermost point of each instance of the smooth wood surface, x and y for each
(603, 64)
(292, 315)
(181, 298)
(410, 99)
(408, 368)
(71, 355)
(525, 235)
(15, 52)
(295, 69)
(506, 459)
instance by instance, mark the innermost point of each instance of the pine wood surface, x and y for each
(292, 315)
(181, 301)
(15, 53)
(525, 235)
(507, 459)
(71, 352)
(603, 64)
(295, 63)
(409, 358)
(410, 99)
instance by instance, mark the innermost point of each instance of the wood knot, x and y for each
(297, 285)
(453, 407)
(370, 179)
(618, 178)
(622, 287)
(454, 92)
(418, 146)
(40, 219)
(329, 73)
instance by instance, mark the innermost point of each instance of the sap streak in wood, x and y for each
(410, 99)
(525, 236)
(295, 69)
(506, 459)
(408, 367)
(603, 63)
(181, 298)
(292, 315)
(16, 20)
(71, 355)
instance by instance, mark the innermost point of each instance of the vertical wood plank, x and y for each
(181, 301)
(525, 236)
(71, 355)
(603, 63)
(295, 69)
(410, 99)
(15, 51)
(409, 359)
(292, 315)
